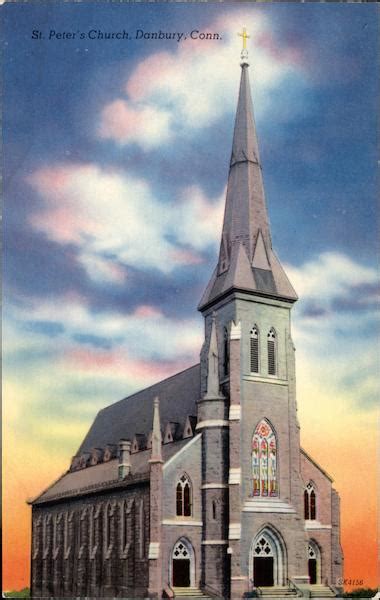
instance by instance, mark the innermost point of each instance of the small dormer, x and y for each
(171, 432)
(138, 443)
(96, 456)
(110, 452)
(84, 460)
(189, 429)
(75, 463)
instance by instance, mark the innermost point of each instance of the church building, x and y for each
(197, 486)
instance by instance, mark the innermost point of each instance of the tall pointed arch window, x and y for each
(108, 523)
(254, 349)
(310, 502)
(264, 460)
(226, 352)
(272, 358)
(183, 497)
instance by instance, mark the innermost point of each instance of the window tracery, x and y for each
(183, 497)
(264, 460)
(310, 502)
(263, 547)
(180, 550)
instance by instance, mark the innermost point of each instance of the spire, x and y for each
(213, 391)
(246, 258)
(156, 454)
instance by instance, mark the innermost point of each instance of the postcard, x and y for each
(190, 277)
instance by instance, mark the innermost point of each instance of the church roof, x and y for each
(133, 415)
(104, 476)
(246, 258)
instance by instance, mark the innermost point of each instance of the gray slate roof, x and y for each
(104, 476)
(134, 415)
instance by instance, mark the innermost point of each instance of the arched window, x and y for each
(226, 352)
(264, 460)
(254, 349)
(142, 529)
(82, 528)
(310, 503)
(271, 343)
(108, 525)
(125, 515)
(214, 510)
(183, 497)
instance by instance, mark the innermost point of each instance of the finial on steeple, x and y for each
(156, 455)
(244, 52)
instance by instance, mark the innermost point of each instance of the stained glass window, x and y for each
(264, 460)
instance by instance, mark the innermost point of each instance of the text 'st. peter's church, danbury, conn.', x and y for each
(198, 485)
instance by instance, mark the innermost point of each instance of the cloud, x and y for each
(115, 220)
(101, 356)
(146, 332)
(195, 86)
(329, 276)
(124, 123)
(335, 344)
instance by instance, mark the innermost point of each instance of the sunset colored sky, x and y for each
(115, 166)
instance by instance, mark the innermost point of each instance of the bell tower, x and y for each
(246, 307)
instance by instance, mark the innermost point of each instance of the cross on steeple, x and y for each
(244, 52)
(245, 36)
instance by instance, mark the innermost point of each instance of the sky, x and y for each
(115, 164)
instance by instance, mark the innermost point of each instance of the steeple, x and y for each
(246, 258)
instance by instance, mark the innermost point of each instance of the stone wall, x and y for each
(92, 546)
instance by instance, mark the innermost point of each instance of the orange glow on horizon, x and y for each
(359, 524)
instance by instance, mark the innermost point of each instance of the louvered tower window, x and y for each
(254, 340)
(271, 352)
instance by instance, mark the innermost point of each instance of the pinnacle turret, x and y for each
(156, 454)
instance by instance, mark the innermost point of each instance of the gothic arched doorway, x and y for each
(314, 562)
(182, 563)
(267, 559)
